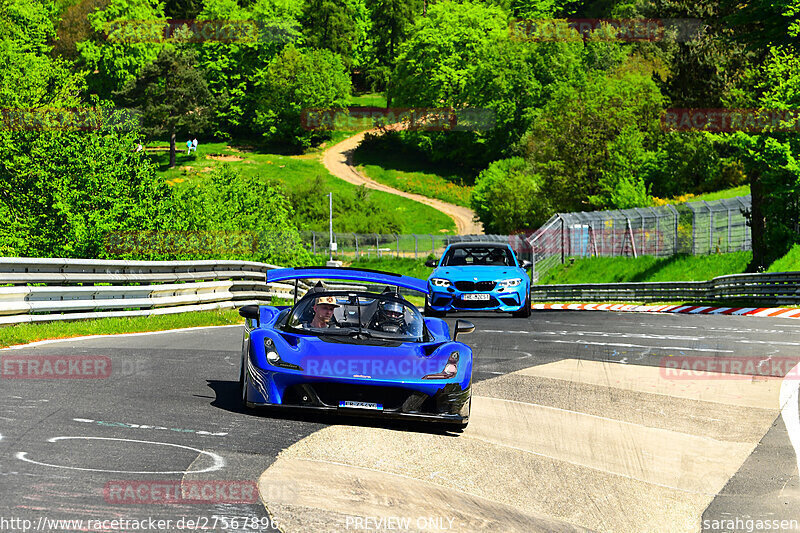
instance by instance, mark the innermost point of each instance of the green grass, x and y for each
(25, 333)
(368, 100)
(647, 268)
(733, 192)
(294, 172)
(411, 173)
(789, 262)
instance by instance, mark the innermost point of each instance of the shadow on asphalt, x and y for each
(227, 399)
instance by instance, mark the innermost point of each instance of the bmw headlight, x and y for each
(506, 283)
(440, 282)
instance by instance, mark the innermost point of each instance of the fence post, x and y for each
(433, 247)
(397, 236)
(729, 229)
(675, 237)
(314, 242)
(710, 227)
(416, 246)
(355, 237)
(377, 248)
(563, 237)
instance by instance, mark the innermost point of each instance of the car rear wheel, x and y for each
(525, 311)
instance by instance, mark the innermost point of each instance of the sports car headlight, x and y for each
(440, 282)
(450, 368)
(274, 359)
(506, 283)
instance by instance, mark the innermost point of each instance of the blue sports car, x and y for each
(363, 352)
(479, 275)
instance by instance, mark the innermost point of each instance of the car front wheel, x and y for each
(525, 311)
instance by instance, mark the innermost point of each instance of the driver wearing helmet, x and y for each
(389, 318)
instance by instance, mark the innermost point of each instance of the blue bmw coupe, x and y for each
(479, 276)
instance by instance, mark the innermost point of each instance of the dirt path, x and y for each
(338, 159)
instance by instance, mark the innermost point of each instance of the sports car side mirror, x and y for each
(526, 264)
(463, 326)
(250, 311)
(431, 263)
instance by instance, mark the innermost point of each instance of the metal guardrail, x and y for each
(780, 288)
(38, 290)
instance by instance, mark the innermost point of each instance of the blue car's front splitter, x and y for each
(442, 401)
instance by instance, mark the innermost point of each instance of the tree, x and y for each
(128, 34)
(329, 25)
(508, 198)
(171, 95)
(588, 141)
(298, 80)
(391, 20)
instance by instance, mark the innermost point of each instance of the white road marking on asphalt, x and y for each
(790, 412)
(619, 345)
(130, 425)
(70, 339)
(219, 462)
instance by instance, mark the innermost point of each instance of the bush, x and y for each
(508, 198)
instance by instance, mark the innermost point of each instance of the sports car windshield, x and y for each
(478, 255)
(360, 315)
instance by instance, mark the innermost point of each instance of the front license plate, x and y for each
(361, 405)
(474, 296)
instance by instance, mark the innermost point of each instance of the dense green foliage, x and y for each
(573, 122)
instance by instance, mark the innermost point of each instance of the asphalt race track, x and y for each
(576, 425)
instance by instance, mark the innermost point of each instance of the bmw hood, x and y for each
(483, 273)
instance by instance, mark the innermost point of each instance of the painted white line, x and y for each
(744, 310)
(699, 309)
(219, 462)
(71, 339)
(790, 412)
(766, 311)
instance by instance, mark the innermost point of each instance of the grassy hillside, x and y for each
(394, 165)
(647, 268)
(789, 262)
(294, 172)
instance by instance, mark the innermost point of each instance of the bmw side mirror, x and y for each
(463, 326)
(431, 263)
(526, 264)
(250, 311)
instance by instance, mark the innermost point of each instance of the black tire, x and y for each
(242, 387)
(525, 312)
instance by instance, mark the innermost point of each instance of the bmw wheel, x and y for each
(524, 311)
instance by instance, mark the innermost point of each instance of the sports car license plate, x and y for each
(362, 405)
(474, 296)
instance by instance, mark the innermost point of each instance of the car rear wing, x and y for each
(349, 274)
